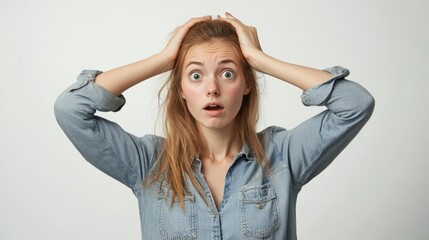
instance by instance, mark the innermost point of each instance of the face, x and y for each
(213, 84)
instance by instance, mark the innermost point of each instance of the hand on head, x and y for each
(173, 45)
(247, 35)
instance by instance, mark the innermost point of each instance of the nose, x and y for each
(213, 89)
(212, 93)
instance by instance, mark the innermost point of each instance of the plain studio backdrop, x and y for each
(377, 188)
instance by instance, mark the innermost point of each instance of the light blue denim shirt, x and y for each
(254, 206)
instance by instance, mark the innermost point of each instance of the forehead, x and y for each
(215, 50)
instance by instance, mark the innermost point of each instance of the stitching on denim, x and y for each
(95, 124)
(190, 215)
(271, 198)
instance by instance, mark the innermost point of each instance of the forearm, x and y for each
(120, 79)
(103, 143)
(300, 76)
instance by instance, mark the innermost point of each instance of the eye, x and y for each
(228, 74)
(195, 76)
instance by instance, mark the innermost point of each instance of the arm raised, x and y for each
(120, 79)
(300, 76)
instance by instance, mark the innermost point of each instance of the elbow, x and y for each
(366, 105)
(61, 109)
(73, 112)
(66, 111)
(359, 104)
(363, 106)
(370, 104)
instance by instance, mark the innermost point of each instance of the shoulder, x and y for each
(152, 143)
(273, 135)
(152, 139)
(272, 131)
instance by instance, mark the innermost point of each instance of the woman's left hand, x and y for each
(300, 76)
(247, 36)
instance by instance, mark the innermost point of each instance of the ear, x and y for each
(246, 90)
(182, 95)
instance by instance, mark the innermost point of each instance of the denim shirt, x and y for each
(254, 205)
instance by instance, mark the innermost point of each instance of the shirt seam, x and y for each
(313, 162)
(96, 128)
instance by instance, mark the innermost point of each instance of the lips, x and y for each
(213, 106)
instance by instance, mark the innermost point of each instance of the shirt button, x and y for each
(260, 205)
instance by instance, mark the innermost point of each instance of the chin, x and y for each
(215, 125)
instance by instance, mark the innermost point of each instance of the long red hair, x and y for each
(183, 140)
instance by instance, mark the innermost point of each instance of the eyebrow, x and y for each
(223, 62)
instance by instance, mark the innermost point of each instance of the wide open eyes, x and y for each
(195, 76)
(227, 74)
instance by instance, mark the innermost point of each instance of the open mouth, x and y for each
(213, 107)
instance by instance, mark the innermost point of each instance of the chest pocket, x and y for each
(258, 211)
(176, 223)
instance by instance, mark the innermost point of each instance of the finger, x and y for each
(237, 25)
(193, 21)
(232, 20)
(227, 18)
(183, 29)
(180, 31)
(229, 15)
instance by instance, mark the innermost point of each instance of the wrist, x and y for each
(165, 60)
(256, 60)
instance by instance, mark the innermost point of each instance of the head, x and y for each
(219, 38)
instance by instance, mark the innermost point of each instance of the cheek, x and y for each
(236, 95)
(190, 96)
(237, 89)
(182, 89)
(188, 93)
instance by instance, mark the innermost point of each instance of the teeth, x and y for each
(213, 107)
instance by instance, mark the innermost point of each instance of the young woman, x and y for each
(213, 176)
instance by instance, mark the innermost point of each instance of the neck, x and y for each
(221, 144)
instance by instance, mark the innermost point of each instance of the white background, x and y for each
(376, 189)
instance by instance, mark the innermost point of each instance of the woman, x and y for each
(213, 176)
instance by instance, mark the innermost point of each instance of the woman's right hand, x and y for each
(120, 79)
(172, 48)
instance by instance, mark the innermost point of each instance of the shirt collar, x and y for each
(245, 151)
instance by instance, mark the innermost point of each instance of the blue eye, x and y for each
(227, 74)
(195, 76)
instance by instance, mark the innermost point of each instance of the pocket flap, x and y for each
(257, 194)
